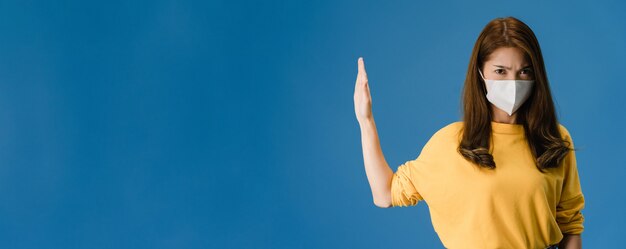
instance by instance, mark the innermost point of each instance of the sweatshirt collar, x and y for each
(505, 128)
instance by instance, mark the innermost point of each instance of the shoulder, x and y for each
(565, 135)
(564, 132)
(451, 129)
(444, 141)
(448, 134)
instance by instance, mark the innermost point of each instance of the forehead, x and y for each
(507, 56)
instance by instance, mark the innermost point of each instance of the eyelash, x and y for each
(525, 70)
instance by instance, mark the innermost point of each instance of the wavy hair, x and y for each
(537, 114)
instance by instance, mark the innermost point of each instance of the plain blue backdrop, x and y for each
(230, 124)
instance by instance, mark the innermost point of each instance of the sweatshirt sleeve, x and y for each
(403, 185)
(572, 201)
(406, 181)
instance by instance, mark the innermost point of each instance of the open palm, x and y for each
(362, 97)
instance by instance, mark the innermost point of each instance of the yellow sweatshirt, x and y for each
(512, 206)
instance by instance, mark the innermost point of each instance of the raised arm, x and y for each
(378, 172)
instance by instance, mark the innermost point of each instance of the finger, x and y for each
(362, 66)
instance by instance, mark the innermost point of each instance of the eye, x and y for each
(499, 71)
(526, 71)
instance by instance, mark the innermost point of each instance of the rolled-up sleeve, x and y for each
(569, 214)
(403, 185)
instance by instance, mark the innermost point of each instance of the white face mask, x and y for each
(508, 95)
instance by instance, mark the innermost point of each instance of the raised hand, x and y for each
(362, 97)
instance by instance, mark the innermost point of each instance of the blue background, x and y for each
(228, 124)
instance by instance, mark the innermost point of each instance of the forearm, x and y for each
(376, 168)
(571, 241)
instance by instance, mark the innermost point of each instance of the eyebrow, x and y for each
(500, 66)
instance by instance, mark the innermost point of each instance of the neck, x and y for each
(502, 117)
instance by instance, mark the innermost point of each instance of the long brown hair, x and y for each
(537, 114)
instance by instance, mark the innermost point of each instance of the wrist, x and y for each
(368, 122)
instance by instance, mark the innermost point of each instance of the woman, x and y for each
(505, 176)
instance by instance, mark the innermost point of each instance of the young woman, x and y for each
(505, 176)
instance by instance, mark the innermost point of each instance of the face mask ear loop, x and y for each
(484, 80)
(481, 74)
